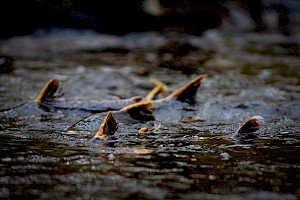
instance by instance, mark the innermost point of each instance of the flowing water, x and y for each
(47, 154)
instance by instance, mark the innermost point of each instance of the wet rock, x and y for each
(6, 64)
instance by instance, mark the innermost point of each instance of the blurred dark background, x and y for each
(19, 17)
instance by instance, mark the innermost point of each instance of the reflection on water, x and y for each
(153, 169)
(47, 154)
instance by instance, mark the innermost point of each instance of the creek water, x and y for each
(47, 154)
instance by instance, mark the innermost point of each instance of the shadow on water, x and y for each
(47, 154)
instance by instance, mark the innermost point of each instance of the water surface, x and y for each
(47, 154)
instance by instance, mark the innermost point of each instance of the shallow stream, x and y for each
(47, 154)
